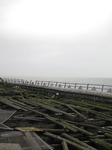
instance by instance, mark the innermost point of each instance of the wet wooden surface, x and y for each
(62, 123)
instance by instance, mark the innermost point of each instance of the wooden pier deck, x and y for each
(93, 90)
(59, 123)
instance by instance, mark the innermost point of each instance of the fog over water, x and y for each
(63, 40)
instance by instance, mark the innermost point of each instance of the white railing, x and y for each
(91, 88)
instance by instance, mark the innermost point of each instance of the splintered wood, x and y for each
(60, 123)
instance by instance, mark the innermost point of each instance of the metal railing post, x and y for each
(87, 86)
(56, 83)
(48, 83)
(102, 87)
(65, 85)
(75, 86)
(41, 82)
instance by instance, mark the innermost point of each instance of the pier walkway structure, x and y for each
(96, 91)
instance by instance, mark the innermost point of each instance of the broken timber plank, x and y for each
(71, 108)
(32, 141)
(80, 147)
(78, 141)
(64, 145)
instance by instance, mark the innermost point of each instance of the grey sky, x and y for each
(67, 38)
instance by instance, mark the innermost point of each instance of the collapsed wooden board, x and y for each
(22, 140)
(63, 123)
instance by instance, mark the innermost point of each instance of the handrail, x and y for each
(61, 85)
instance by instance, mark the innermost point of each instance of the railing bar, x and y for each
(54, 83)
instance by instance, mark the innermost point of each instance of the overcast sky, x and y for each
(60, 38)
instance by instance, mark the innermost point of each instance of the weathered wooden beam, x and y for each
(108, 135)
(59, 122)
(49, 107)
(75, 145)
(30, 139)
(8, 103)
(102, 143)
(71, 108)
(64, 145)
(78, 129)
(98, 114)
(78, 141)
(55, 130)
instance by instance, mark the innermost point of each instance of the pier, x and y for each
(42, 117)
(89, 91)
